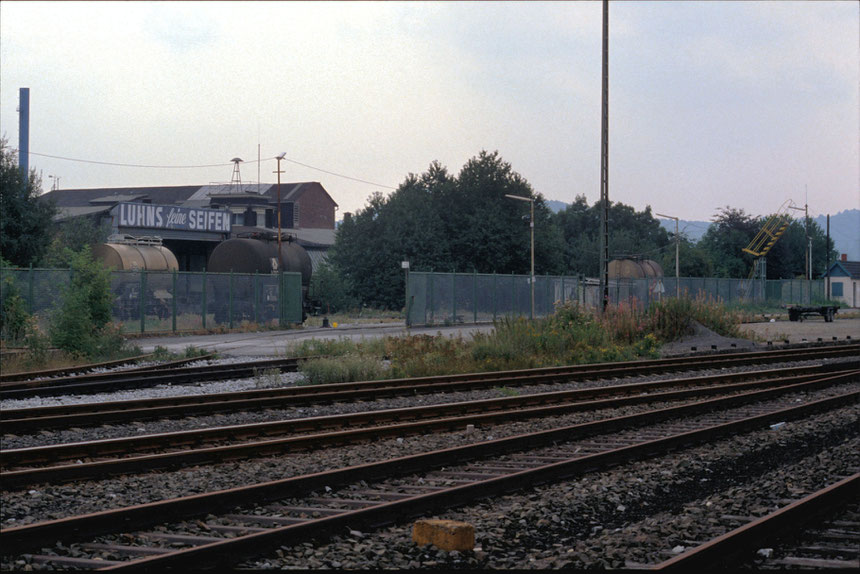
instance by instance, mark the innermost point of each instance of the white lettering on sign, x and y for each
(169, 217)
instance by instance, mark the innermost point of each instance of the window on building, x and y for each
(836, 290)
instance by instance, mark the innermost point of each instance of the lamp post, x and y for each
(677, 247)
(279, 172)
(56, 184)
(532, 226)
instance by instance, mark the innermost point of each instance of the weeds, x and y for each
(267, 379)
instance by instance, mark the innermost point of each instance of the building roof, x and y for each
(844, 269)
(185, 195)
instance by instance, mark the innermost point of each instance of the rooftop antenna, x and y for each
(236, 178)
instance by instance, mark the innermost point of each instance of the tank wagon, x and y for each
(128, 253)
(634, 269)
(257, 253)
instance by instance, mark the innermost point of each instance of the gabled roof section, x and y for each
(172, 195)
(293, 191)
(844, 269)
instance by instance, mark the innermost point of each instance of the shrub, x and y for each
(81, 325)
(343, 369)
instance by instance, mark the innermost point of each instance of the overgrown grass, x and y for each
(573, 335)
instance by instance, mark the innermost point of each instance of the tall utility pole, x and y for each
(279, 158)
(677, 255)
(827, 252)
(604, 164)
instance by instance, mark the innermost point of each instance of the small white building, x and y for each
(844, 278)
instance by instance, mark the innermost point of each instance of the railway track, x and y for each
(173, 373)
(226, 526)
(32, 375)
(16, 421)
(98, 459)
(820, 531)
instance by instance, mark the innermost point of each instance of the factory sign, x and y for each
(173, 217)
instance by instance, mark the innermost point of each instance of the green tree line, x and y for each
(439, 221)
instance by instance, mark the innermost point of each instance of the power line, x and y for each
(115, 164)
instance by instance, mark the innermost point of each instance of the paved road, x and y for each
(268, 343)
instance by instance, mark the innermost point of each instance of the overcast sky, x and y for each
(745, 104)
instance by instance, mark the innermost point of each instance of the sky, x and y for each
(711, 104)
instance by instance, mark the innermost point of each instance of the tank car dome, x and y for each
(634, 269)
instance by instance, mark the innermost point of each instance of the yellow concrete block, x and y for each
(445, 534)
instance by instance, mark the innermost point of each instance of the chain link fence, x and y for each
(449, 298)
(165, 301)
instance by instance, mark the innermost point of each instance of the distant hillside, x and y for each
(844, 231)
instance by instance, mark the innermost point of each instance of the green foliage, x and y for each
(631, 233)
(81, 325)
(342, 369)
(733, 230)
(332, 290)
(73, 234)
(25, 218)
(14, 316)
(440, 222)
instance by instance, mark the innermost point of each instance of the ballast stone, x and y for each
(445, 534)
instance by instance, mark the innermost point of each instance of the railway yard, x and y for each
(744, 458)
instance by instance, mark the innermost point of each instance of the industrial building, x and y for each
(192, 219)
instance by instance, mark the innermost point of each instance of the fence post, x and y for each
(256, 297)
(204, 297)
(281, 290)
(475, 294)
(230, 301)
(562, 290)
(142, 300)
(432, 303)
(513, 293)
(30, 290)
(494, 296)
(174, 300)
(453, 297)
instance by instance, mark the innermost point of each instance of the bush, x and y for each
(343, 369)
(81, 325)
(14, 316)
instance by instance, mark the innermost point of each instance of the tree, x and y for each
(724, 242)
(631, 233)
(441, 223)
(75, 234)
(79, 324)
(24, 218)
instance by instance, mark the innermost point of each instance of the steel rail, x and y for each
(436, 418)
(128, 519)
(145, 377)
(64, 416)
(27, 375)
(733, 548)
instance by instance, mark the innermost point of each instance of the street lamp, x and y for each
(677, 247)
(279, 172)
(532, 226)
(56, 185)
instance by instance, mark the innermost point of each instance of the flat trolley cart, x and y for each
(798, 312)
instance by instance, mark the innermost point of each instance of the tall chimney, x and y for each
(844, 257)
(24, 132)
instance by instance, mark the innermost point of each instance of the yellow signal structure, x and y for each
(770, 233)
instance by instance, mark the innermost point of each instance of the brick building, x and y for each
(192, 220)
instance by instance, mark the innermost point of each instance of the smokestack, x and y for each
(844, 257)
(24, 132)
